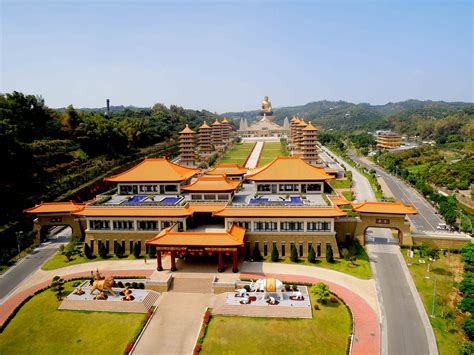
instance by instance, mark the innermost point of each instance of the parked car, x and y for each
(442, 227)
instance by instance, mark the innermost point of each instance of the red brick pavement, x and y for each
(8, 307)
(366, 326)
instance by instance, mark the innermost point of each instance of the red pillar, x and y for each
(159, 267)
(173, 261)
(221, 262)
(235, 262)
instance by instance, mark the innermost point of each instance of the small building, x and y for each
(388, 140)
(232, 171)
(212, 188)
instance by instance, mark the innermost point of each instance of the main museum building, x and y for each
(224, 211)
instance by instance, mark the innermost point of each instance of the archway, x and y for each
(383, 235)
(60, 233)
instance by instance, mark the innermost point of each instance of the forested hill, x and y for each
(347, 116)
(46, 153)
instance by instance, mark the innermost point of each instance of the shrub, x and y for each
(119, 250)
(311, 255)
(345, 254)
(467, 305)
(134, 284)
(329, 254)
(321, 291)
(127, 284)
(275, 254)
(316, 306)
(333, 299)
(136, 250)
(141, 285)
(120, 284)
(257, 256)
(247, 287)
(103, 252)
(467, 348)
(468, 253)
(57, 285)
(469, 327)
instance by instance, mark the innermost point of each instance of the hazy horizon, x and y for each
(225, 56)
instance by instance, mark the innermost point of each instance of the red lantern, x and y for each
(192, 253)
(200, 253)
(183, 253)
(209, 253)
(227, 253)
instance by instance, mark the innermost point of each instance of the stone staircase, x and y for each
(150, 300)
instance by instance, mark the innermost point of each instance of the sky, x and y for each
(226, 55)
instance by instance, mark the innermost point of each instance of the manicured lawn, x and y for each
(361, 270)
(349, 195)
(446, 325)
(340, 184)
(237, 154)
(270, 151)
(59, 260)
(39, 328)
(326, 333)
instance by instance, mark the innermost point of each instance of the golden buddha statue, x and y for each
(266, 106)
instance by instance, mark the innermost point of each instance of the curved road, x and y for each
(405, 325)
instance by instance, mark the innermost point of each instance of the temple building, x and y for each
(388, 140)
(265, 125)
(304, 140)
(204, 139)
(222, 214)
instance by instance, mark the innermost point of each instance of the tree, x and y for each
(467, 253)
(257, 256)
(321, 291)
(151, 251)
(329, 254)
(118, 250)
(275, 254)
(57, 286)
(293, 253)
(87, 251)
(103, 252)
(467, 305)
(136, 250)
(433, 253)
(466, 286)
(469, 327)
(311, 255)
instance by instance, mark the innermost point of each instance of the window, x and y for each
(223, 197)
(382, 221)
(265, 248)
(283, 249)
(123, 225)
(246, 225)
(99, 225)
(56, 219)
(265, 226)
(264, 187)
(247, 249)
(301, 248)
(291, 226)
(171, 188)
(310, 245)
(167, 224)
(131, 246)
(319, 226)
(209, 197)
(313, 187)
(147, 225)
(126, 189)
(196, 197)
(289, 187)
(318, 251)
(92, 246)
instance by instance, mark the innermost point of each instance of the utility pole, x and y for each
(434, 299)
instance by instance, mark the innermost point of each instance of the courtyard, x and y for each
(237, 154)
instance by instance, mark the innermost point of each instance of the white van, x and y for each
(442, 227)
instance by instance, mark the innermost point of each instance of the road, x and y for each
(19, 272)
(426, 219)
(405, 325)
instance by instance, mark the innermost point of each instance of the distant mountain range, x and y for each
(349, 116)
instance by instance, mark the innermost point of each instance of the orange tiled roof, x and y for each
(205, 125)
(212, 183)
(187, 130)
(134, 212)
(302, 123)
(225, 120)
(206, 207)
(227, 169)
(383, 207)
(339, 200)
(233, 237)
(154, 169)
(310, 127)
(56, 207)
(288, 169)
(295, 120)
(280, 212)
(216, 123)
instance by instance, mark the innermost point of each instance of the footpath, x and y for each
(254, 156)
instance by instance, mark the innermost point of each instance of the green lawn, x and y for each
(237, 154)
(326, 333)
(39, 328)
(270, 151)
(361, 270)
(417, 168)
(59, 260)
(340, 184)
(349, 195)
(446, 325)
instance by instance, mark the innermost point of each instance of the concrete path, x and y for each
(30, 263)
(175, 326)
(254, 156)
